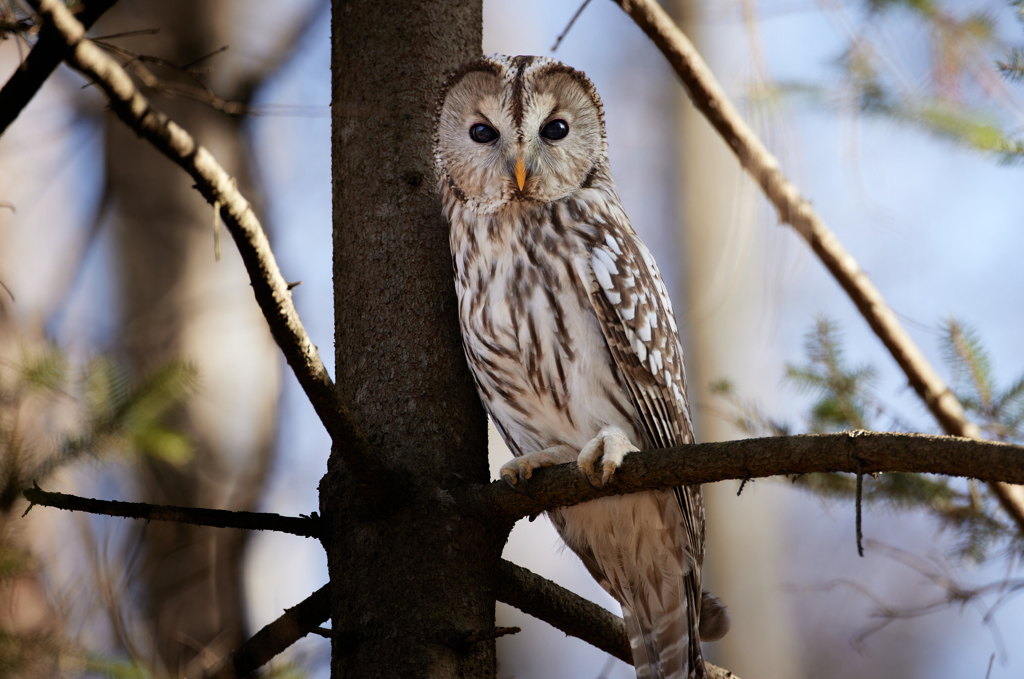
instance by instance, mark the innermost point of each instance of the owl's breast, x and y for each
(532, 338)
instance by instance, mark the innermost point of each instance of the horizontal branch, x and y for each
(269, 286)
(570, 613)
(273, 639)
(867, 452)
(709, 98)
(50, 49)
(218, 518)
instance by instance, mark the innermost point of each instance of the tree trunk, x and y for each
(409, 583)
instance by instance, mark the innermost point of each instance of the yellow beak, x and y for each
(520, 173)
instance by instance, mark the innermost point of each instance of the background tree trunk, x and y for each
(179, 303)
(409, 585)
(725, 320)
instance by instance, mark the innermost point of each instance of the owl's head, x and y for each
(515, 129)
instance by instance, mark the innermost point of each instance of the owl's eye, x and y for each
(555, 130)
(483, 134)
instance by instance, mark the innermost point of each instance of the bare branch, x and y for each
(709, 98)
(218, 518)
(570, 613)
(49, 51)
(269, 286)
(853, 452)
(562, 609)
(565, 32)
(296, 623)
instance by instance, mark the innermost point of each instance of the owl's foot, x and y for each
(517, 471)
(608, 448)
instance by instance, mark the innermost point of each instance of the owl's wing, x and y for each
(635, 314)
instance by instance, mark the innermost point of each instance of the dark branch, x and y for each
(49, 51)
(269, 286)
(297, 622)
(570, 613)
(562, 609)
(513, 585)
(218, 518)
(793, 209)
(851, 452)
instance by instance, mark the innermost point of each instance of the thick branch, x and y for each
(709, 98)
(562, 609)
(570, 613)
(49, 51)
(273, 639)
(218, 518)
(269, 286)
(868, 452)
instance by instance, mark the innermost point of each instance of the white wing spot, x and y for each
(607, 260)
(644, 331)
(601, 273)
(613, 297)
(656, 363)
(640, 349)
(612, 244)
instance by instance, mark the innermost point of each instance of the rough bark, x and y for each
(409, 586)
(180, 304)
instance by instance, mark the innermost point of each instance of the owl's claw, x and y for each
(517, 471)
(609, 448)
(514, 482)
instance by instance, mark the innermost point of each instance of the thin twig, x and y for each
(489, 634)
(867, 453)
(218, 518)
(743, 484)
(709, 98)
(269, 286)
(258, 650)
(558, 41)
(859, 502)
(49, 51)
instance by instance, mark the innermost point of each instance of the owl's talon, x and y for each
(517, 471)
(609, 448)
(586, 478)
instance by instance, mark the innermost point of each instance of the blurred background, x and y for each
(135, 365)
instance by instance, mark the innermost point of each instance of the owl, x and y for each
(569, 334)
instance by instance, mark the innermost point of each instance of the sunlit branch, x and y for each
(269, 286)
(853, 452)
(218, 518)
(793, 209)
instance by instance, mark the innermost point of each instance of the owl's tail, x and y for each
(659, 625)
